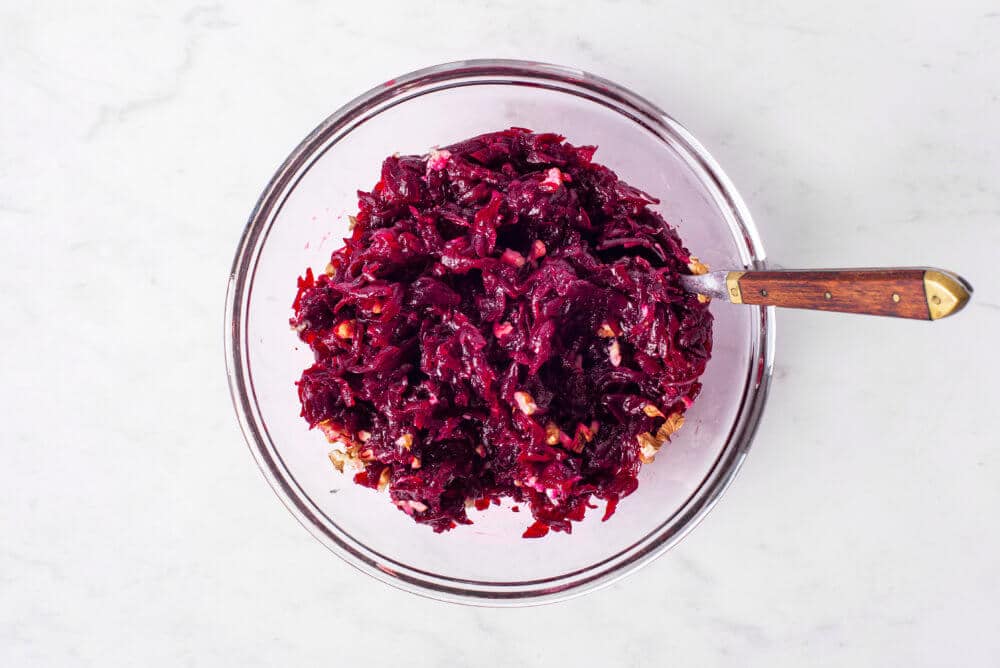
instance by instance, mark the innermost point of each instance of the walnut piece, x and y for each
(525, 402)
(669, 426)
(615, 353)
(345, 330)
(649, 445)
(652, 411)
(697, 266)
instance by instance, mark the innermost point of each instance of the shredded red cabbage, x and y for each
(505, 321)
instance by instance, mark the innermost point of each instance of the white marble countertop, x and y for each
(136, 529)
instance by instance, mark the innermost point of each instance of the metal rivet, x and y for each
(763, 293)
(895, 297)
(827, 295)
(936, 300)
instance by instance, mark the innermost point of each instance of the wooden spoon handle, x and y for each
(921, 294)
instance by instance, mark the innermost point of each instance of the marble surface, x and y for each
(136, 529)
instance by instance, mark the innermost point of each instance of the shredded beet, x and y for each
(505, 321)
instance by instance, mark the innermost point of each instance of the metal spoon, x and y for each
(921, 293)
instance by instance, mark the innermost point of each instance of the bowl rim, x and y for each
(239, 288)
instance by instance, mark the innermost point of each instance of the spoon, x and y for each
(904, 292)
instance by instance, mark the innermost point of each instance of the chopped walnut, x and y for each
(330, 269)
(331, 432)
(338, 458)
(345, 330)
(670, 425)
(348, 449)
(605, 331)
(351, 222)
(415, 464)
(383, 479)
(551, 433)
(525, 402)
(584, 435)
(652, 411)
(697, 266)
(349, 456)
(704, 299)
(615, 353)
(405, 441)
(648, 447)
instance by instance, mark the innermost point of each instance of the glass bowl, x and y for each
(301, 218)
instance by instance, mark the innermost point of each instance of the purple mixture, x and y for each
(505, 321)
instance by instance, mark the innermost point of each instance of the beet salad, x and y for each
(504, 321)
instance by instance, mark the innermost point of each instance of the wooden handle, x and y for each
(921, 294)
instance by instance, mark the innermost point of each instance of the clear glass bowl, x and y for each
(302, 216)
